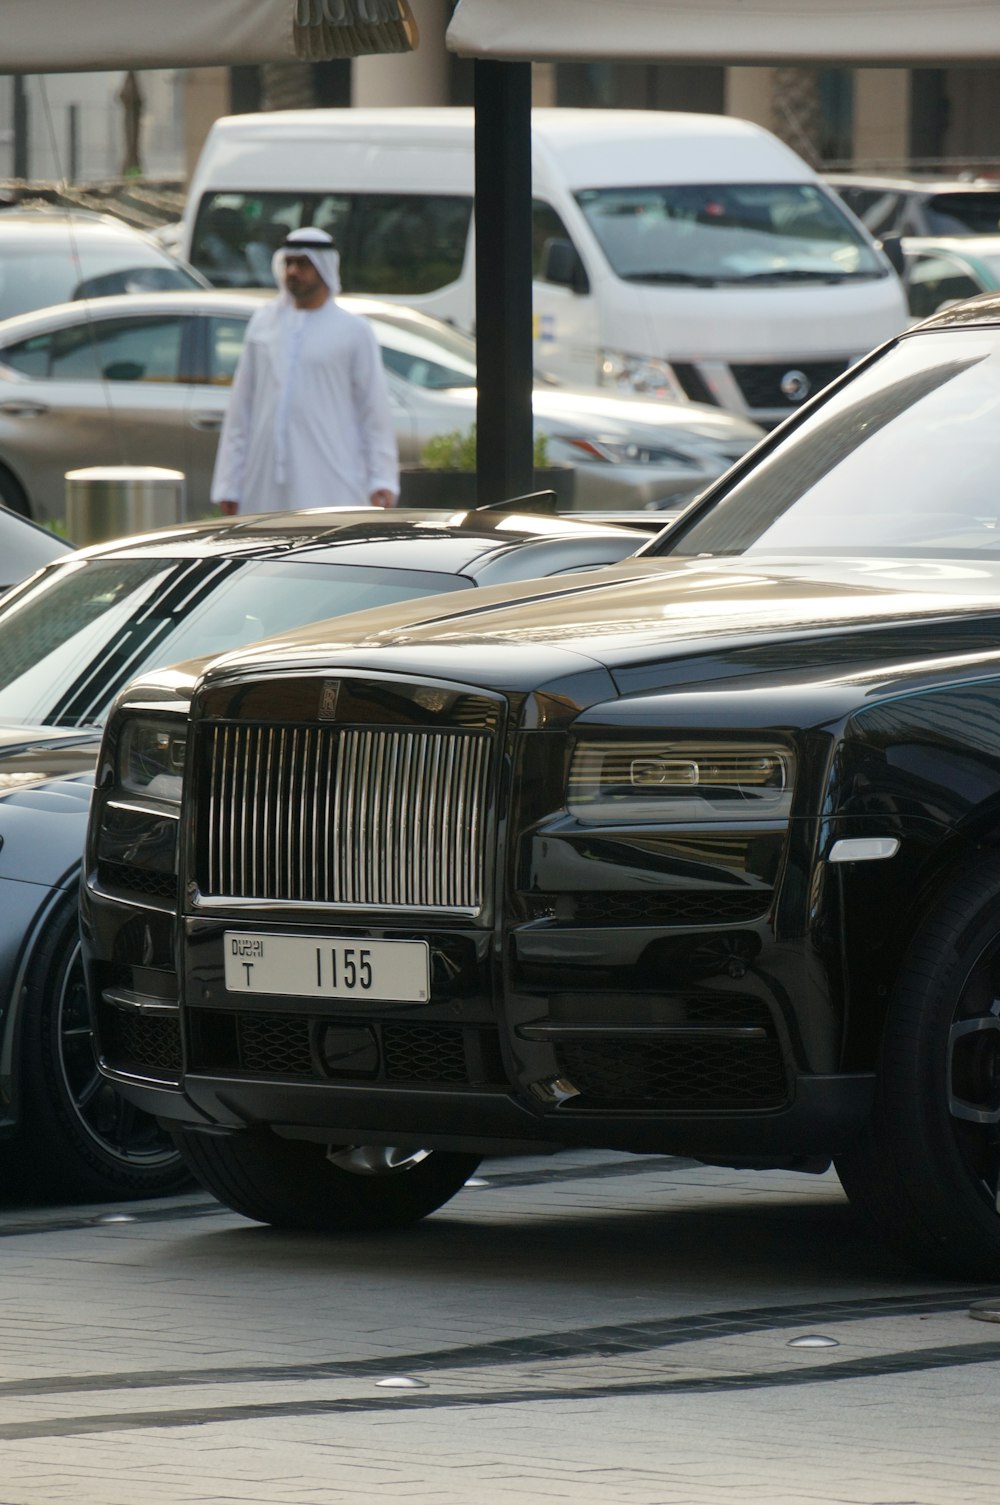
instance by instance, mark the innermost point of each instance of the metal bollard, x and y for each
(113, 501)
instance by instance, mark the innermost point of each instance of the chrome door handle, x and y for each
(18, 409)
(210, 422)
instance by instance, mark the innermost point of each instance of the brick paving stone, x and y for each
(588, 1269)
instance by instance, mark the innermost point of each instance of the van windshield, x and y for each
(723, 233)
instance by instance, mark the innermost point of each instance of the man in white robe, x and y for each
(308, 422)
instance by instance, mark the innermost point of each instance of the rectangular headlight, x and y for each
(151, 759)
(680, 781)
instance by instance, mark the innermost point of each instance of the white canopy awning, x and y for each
(79, 36)
(929, 32)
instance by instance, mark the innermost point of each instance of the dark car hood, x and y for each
(633, 613)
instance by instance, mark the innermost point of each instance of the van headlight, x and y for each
(639, 373)
(680, 781)
(151, 759)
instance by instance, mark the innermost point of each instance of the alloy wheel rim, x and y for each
(973, 1075)
(128, 1135)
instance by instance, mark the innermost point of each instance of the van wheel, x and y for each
(78, 1136)
(926, 1169)
(294, 1183)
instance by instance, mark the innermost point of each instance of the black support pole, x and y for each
(503, 280)
(20, 124)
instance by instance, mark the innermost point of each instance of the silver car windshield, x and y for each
(32, 277)
(72, 637)
(903, 459)
(708, 234)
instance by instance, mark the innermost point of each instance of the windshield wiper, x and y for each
(691, 279)
(796, 274)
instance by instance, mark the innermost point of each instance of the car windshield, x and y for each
(70, 638)
(902, 460)
(33, 277)
(423, 357)
(709, 234)
(963, 213)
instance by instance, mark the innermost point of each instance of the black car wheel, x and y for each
(320, 1188)
(926, 1170)
(78, 1135)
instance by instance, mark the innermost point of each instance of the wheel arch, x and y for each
(927, 882)
(28, 910)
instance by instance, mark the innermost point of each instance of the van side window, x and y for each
(332, 213)
(545, 225)
(388, 243)
(236, 235)
(404, 243)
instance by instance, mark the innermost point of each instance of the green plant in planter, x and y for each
(457, 451)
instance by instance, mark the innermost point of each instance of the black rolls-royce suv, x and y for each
(698, 854)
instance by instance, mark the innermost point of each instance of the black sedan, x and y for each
(70, 637)
(699, 855)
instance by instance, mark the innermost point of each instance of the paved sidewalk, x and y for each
(586, 1328)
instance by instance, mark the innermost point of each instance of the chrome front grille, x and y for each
(380, 818)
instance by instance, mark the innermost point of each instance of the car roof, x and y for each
(403, 538)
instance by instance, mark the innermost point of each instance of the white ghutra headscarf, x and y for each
(321, 251)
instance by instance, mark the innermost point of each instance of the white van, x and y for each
(674, 254)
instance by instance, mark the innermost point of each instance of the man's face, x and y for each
(302, 279)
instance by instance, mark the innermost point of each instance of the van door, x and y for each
(565, 324)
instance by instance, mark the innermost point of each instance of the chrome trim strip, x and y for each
(332, 906)
(386, 818)
(142, 1003)
(864, 849)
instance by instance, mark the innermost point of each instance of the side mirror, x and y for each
(561, 264)
(892, 246)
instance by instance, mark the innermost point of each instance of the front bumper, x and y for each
(514, 1050)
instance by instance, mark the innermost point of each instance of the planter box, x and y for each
(452, 489)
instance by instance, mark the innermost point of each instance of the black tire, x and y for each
(297, 1184)
(13, 494)
(926, 1169)
(78, 1137)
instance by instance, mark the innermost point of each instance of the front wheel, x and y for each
(926, 1169)
(78, 1136)
(298, 1184)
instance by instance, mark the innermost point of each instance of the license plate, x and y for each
(299, 966)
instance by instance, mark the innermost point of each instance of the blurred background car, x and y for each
(70, 637)
(54, 256)
(144, 379)
(939, 271)
(25, 548)
(915, 206)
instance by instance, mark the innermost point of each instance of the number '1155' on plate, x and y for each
(299, 966)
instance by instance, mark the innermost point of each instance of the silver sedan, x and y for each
(143, 379)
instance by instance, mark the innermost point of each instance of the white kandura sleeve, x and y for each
(376, 429)
(229, 475)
